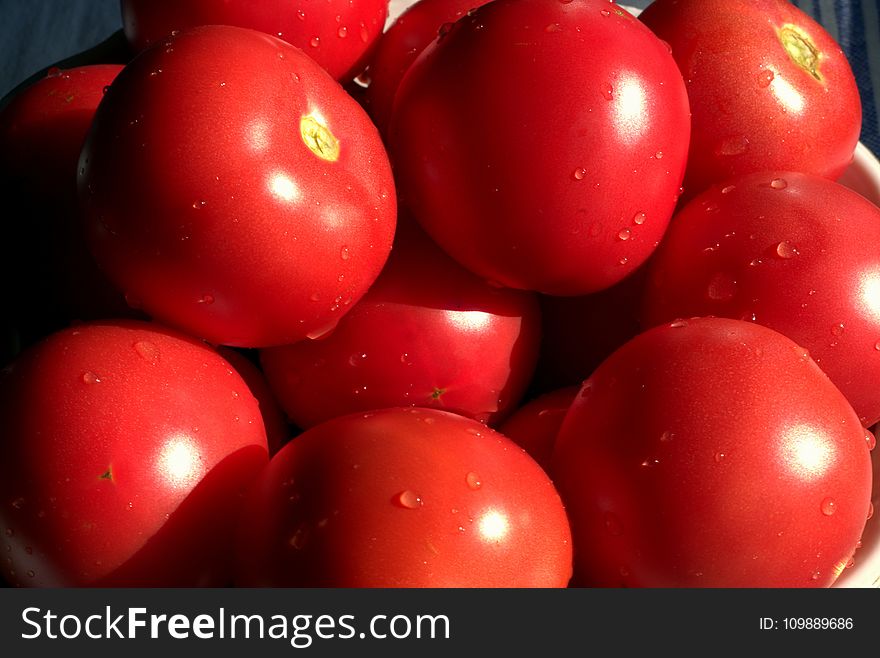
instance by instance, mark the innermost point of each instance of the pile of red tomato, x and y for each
(545, 294)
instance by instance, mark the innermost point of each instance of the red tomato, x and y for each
(768, 86)
(542, 144)
(335, 33)
(794, 252)
(125, 451)
(401, 44)
(403, 498)
(715, 453)
(534, 426)
(42, 130)
(234, 190)
(428, 333)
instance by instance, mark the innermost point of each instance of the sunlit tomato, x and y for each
(542, 144)
(534, 426)
(234, 190)
(125, 452)
(796, 253)
(428, 333)
(403, 498)
(335, 33)
(42, 130)
(712, 452)
(768, 87)
(401, 44)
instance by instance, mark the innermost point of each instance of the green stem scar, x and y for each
(108, 474)
(317, 136)
(801, 49)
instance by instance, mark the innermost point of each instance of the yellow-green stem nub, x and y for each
(801, 49)
(318, 138)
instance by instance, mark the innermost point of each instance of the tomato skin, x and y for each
(712, 453)
(335, 33)
(245, 236)
(535, 190)
(534, 425)
(428, 333)
(42, 130)
(400, 45)
(126, 448)
(790, 251)
(403, 498)
(754, 107)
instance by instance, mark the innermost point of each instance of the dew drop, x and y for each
(651, 462)
(735, 145)
(315, 42)
(779, 183)
(722, 287)
(850, 563)
(719, 457)
(828, 506)
(624, 234)
(31, 574)
(639, 218)
(605, 12)
(837, 329)
(207, 300)
(473, 481)
(579, 173)
(365, 35)
(147, 350)
(659, 155)
(553, 27)
(786, 250)
(89, 377)
(728, 189)
(342, 32)
(408, 499)
(815, 575)
(344, 253)
(198, 205)
(106, 89)
(678, 324)
(870, 439)
(623, 260)
(607, 91)
(299, 538)
(301, 14)
(357, 359)
(765, 77)
(667, 436)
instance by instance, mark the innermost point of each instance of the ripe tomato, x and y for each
(542, 144)
(428, 333)
(399, 47)
(768, 87)
(42, 130)
(125, 450)
(534, 425)
(712, 452)
(335, 33)
(403, 498)
(794, 252)
(232, 189)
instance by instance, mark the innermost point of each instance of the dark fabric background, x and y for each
(37, 33)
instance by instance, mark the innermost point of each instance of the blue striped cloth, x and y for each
(34, 35)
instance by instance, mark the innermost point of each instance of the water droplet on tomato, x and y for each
(314, 42)
(473, 481)
(828, 506)
(719, 457)
(147, 350)
(31, 573)
(779, 183)
(300, 14)
(207, 300)
(357, 359)
(728, 189)
(678, 324)
(639, 218)
(607, 91)
(605, 12)
(722, 287)
(786, 250)
(659, 155)
(624, 234)
(198, 205)
(667, 436)
(553, 27)
(650, 462)
(408, 499)
(299, 538)
(734, 145)
(870, 439)
(344, 253)
(579, 173)
(342, 32)
(365, 35)
(89, 377)
(837, 329)
(765, 77)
